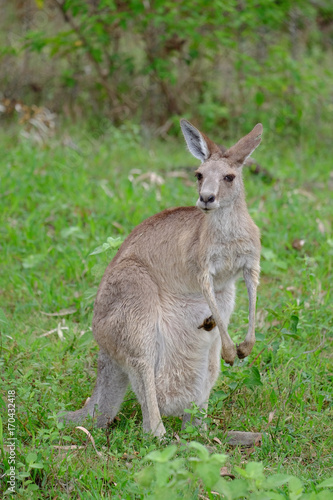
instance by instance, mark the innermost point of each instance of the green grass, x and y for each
(56, 207)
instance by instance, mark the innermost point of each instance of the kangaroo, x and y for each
(163, 306)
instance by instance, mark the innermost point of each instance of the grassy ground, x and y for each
(57, 204)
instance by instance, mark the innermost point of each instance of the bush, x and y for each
(219, 63)
(168, 477)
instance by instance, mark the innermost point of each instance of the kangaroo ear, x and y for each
(238, 153)
(198, 143)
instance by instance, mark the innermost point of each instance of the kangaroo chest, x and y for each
(226, 262)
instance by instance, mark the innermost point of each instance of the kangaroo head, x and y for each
(220, 173)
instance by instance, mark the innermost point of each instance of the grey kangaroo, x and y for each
(163, 306)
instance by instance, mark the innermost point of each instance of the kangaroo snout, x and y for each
(207, 198)
(207, 201)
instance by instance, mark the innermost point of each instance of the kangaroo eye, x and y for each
(229, 178)
(198, 176)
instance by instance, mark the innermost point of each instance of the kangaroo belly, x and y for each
(187, 358)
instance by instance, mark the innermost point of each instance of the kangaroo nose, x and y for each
(207, 198)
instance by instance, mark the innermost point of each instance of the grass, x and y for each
(57, 205)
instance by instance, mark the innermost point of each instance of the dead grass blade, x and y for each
(62, 312)
(69, 447)
(54, 330)
(225, 472)
(91, 439)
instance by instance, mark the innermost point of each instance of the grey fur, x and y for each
(175, 270)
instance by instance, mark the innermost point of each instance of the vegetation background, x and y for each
(91, 92)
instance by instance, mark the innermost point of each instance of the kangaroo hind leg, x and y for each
(142, 379)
